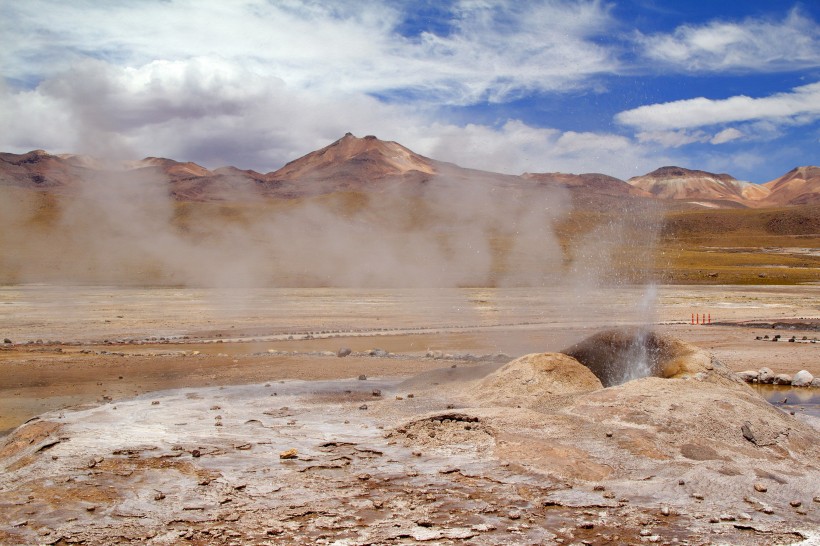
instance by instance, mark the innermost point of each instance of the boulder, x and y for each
(749, 376)
(782, 379)
(802, 379)
(765, 375)
(815, 382)
(343, 352)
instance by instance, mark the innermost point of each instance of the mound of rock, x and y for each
(531, 380)
(623, 354)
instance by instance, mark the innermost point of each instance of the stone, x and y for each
(802, 379)
(749, 376)
(343, 352)
(815, 383)
(363, 407)
(795, 503)
(765, 375)
(381, 353)
(761, 487)
(363, 377)
(291, 453)
(782, 379)
(746, 429)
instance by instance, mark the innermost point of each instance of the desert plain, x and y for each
(201, 357)
(176, 415)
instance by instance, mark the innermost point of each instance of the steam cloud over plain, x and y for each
(123, 227)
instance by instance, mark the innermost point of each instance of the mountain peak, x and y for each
(366, 157)
(671, 182)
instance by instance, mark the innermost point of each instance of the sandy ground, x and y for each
(77, 345)
(167, 416)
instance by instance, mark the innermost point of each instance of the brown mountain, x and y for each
(39, 169)
(369, 164)
(592, 182)
(359, 158)
(799, 186)
(708, 189)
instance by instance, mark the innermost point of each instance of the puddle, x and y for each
(803, 400)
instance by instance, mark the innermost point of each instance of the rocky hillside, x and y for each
(369, 164)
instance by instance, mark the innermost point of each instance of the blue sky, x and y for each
(619, 87)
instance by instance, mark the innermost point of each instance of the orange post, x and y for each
(710, 318)
(693, 319)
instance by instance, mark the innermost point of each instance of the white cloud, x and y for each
(214, 113)
(749, 45)
(800, 105)
(496, 50)
(516, 147)
(726, 135)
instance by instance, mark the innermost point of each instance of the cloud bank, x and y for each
(256, 84)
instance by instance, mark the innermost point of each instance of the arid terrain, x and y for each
(163, 414)
(368, 346)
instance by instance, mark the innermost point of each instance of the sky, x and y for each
(620, 87)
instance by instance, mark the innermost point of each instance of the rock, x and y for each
(815, 383)
(802, 379)
(761, 487)
(749, 376)
(363, 407)
(291, 453)
(765, 375)
(7, 341)
(795, 503)
(343, 352)
(381, 353)
(746, 429)
(363, 377)
(782, 379)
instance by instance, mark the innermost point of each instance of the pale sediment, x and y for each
(535, 451)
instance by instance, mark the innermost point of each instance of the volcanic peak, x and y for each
(377, 157)
(672, 182)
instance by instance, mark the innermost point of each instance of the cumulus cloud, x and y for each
(726, 135)
(494, 50)
(214, 113)
(516, 147)
(753, 44)
(799, 106)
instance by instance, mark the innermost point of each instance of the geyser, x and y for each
(623, 354)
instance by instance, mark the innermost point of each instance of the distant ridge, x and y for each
(369, 164)
(698, 186)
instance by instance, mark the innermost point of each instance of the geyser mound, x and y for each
(623, 354)
(531, 380)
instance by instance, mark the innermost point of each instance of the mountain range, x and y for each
(370, 165)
